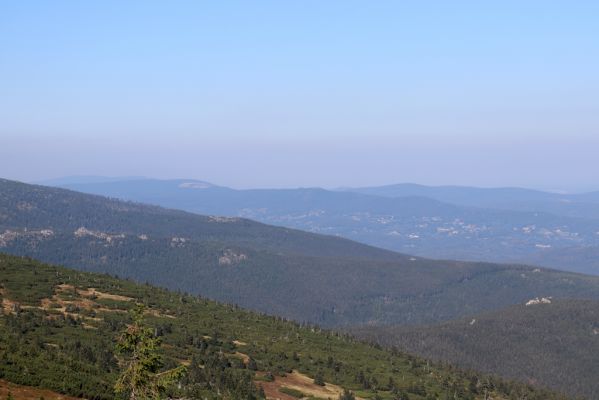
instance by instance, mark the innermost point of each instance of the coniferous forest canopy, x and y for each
(60, 328)
(553, 343)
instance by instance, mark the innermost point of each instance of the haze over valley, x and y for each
(340, 200)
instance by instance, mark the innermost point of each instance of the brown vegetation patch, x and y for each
(157, 313)
(102, 295)
(51, 304)
(244, 357)
(20, 392)
(65, 287)
(7, 305)
(271, 390)
(301, 382)
(55, 300)
(113, 310)
(83, 301)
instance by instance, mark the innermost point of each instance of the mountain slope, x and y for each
(307, 277)
(58, 328)
(40, 206)
(412, 224)
(554, 344)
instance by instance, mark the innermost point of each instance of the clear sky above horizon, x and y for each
(306, 93)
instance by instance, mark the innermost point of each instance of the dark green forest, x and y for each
(555, 344)
(320, 279)
(59, 327)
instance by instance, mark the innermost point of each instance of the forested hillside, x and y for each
(58, 329)
(307, 277)
(551, 342)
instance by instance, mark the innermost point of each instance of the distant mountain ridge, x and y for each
(304, 276)
(581, 205)
(444, 222)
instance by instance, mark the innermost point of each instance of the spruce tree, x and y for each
(347, 395)
(141, 378)
(319, 379)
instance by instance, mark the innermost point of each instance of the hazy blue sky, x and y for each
(303, 93)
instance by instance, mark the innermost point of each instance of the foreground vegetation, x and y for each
(59, 328)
